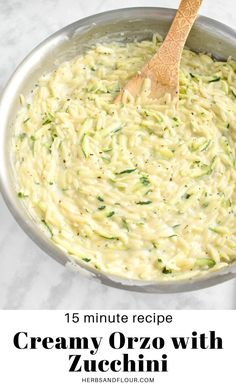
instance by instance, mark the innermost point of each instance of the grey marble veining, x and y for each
(29, 279)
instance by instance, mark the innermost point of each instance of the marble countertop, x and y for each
(29, 279)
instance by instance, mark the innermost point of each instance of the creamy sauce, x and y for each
(138, 189)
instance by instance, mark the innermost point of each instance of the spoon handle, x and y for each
(181, 26)
(165, 63)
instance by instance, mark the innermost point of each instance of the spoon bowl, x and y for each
(162, 70)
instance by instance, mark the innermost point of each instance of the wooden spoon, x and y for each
(163, 68)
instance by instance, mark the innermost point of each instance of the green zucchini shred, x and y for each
(144, 180)
(110, 214)
(22, 195)
(22, 136)
(86, 259)
(47, 227)
(215, 79)
(106, 236)
(125, 224)
(48, 119)
(143, 203)
(128, 171)
(205, 262)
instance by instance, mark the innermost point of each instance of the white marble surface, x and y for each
(29, 279)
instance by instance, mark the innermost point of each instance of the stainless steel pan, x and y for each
(123, 25)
